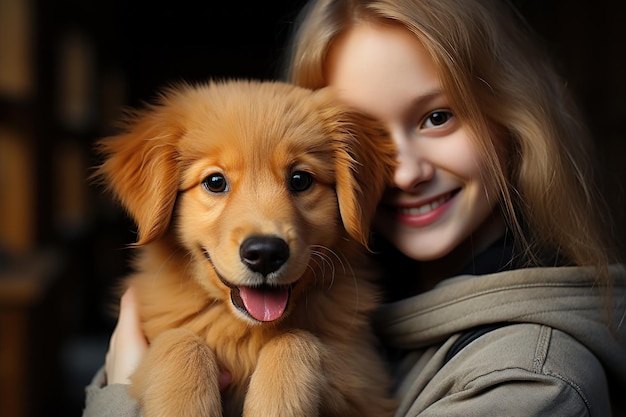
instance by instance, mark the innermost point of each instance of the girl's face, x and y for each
(440, 199)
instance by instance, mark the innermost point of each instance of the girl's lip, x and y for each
(423, 213)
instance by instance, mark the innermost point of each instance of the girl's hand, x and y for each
(128, 343)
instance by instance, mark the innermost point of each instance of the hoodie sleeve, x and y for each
(103, 400)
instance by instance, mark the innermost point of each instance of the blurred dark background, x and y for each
(67, 69)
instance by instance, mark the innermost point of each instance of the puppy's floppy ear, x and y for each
(365, 159)
(141, 169)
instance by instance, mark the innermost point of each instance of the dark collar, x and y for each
(500, 256)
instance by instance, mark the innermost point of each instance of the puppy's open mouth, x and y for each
(264, 303)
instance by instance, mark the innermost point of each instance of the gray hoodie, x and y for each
(554, 355)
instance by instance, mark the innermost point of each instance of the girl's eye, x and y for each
(215, 183)
(437, 118)
(300, 181)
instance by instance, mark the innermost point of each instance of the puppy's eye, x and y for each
(300, 181)
(215, 183)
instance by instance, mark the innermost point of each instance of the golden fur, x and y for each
(212, 170)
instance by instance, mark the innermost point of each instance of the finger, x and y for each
(128, 343)
(129, 322)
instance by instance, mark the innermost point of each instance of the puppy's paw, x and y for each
(178, 377)
(288, 377)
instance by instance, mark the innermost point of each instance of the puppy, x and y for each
(253, 202)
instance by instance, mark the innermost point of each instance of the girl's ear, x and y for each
(141, 169)
(365, 163)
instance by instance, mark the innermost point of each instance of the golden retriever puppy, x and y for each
(253, 202)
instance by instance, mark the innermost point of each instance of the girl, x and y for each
(504, 295)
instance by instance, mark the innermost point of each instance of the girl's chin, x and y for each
(422, 254)
(418, 245)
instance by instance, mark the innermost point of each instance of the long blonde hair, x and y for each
(507, 93)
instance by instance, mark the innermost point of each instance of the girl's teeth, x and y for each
(413, 211)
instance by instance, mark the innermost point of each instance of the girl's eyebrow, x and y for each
(428, 97)
(424, 101)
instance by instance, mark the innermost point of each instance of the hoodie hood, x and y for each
(563, 298)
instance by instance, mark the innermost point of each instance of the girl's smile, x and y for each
(423, 213)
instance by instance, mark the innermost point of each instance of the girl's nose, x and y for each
(413, 167)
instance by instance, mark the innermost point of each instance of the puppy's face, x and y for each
(258, 197)
(267, 179)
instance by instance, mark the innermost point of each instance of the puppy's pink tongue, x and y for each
(264, 304)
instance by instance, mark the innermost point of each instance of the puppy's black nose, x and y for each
(264, 254)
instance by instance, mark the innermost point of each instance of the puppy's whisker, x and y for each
(327, 255)
(346, 269)
(324, 262)
(331, 253)
(316, 267)
(340, 258)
